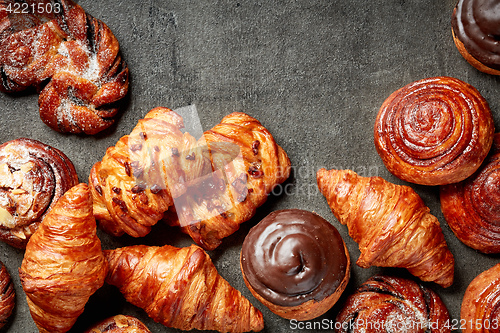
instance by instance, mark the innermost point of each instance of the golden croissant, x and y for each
(208, 186)
(390, 223)
(63, 264)
(180, 288)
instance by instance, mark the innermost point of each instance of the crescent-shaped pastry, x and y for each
(434, 131)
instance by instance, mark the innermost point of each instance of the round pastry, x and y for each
(481, 303)
(33, 176)
(390, 304)
(434, 131)
(476, 32)
(7, 295)
(119, 324)
(472, 207)
(295, 263)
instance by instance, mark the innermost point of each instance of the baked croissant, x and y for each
(472, 207)
(63, 264)
(390, 223)
(180, 288)
(479, 311)
(119, 324)
(33, 176)
(434, 131)
(391, 304)
(70, 56)
(7, 295)
(212, 185)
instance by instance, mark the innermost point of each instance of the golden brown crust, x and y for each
(180, 288)
(472, 207)
(7, 295)
(215, 183)
(434, 131)
(390, 223)
(119, 324)
(392, 304)
(63, 264)
(480, 305)
(33, 176)
(72, 57)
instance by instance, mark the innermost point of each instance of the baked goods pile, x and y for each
(435, 131)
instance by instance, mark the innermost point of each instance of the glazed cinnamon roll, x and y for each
(434, 131)
(119, 324)
(472, 207)
(295, 263)
(70, 56)
(7, 295)
(480, 311)
(33, 176)
(391, 304)
(475, 32)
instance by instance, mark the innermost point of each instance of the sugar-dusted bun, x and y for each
(476, 31)
(295, 263)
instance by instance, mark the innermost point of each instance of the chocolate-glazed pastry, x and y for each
(476, 32)
(434, 131)
(7, 295)
(391, 304)
(295, 263)
(33, 176)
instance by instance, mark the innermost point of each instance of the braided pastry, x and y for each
(480, 305)
(33, 176)
(390, 223)
(216, 183)
(472, 207)
(71, 57)
(434, 131)
(390, 304)
(7, 295)
(180, 288)
(63, 264)
(119, 324)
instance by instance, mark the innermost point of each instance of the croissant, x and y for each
(180, 288)
(209, 186)
(434, 131)
(390, 223)
(479, 311)
(7, 295)
(70, 56)
(63, 264)
(119, 324)
(472, 207)
(33, 176)
(391, 304)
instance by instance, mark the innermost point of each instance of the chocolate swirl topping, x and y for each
(293, 256)
(477, 25)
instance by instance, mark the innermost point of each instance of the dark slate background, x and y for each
(313, 72)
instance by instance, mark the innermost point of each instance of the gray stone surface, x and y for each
(313, 72)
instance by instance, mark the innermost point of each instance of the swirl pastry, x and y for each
(119, 324)
(180, 288)
(63, 264)
(210, 186)
(480, 305)
(33, 176)
(390, 304)
(434, 131)
(472, 207)
(295, 263)
(390, 223)
(476, 33)
(7, 295)
(71, 57)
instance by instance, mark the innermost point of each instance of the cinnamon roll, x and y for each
(295, 263)
(434, 131)
(33, 176)
(71, 57)
(391, 304)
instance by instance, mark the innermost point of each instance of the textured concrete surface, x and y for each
(313, 72)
